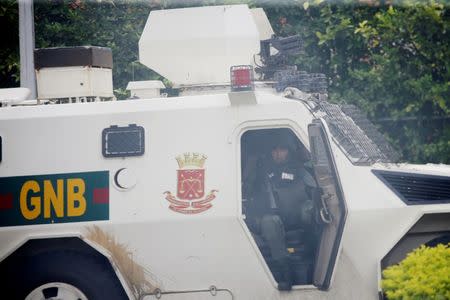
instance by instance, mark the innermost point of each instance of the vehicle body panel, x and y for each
(193, 252)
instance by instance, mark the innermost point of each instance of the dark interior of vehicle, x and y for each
(301, 240)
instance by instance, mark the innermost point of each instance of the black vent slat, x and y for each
(415, 178)
(420, 186)
(423, 191)
(417, 188)
(425, 194)
(428, 194)
(423, 183)
(443, 183)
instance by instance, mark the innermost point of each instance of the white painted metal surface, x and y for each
(199, 45)
(13, 95)
(125, 179)
(65, 82)
(190, 252)
(146, 89)
(262, 23)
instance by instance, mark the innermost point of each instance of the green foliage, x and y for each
(408, 74)
(113, 24)
(423, 274)
(9, 51)
(391, 61)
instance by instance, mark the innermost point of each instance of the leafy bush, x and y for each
(423, 274)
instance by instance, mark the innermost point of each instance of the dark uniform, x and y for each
(284, 203)
(281, 202)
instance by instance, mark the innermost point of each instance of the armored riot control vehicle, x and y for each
(248, 185)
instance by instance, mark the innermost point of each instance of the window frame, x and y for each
(244, 127)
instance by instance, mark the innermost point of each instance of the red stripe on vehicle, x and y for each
(6, 201)
(101, 196)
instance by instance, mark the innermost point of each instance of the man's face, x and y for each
(280, 154)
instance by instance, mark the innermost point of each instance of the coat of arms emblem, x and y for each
(190, 198)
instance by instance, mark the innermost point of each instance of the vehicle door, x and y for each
(332, 209)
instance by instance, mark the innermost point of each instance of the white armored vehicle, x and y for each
(155, 198)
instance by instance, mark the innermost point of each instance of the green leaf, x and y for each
(305, 5)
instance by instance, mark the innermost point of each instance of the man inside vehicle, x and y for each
(280, 201)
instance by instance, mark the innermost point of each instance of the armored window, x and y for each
(123, 141)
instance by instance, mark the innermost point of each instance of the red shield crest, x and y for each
(191, 184)
(190, 198)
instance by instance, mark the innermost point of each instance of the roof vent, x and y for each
(145, 89)
(74, 74)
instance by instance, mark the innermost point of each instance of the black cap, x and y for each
(284, 139)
